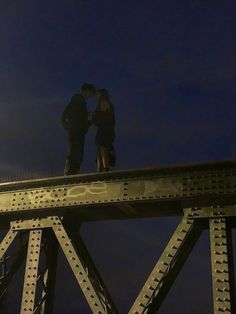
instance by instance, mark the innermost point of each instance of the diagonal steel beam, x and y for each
(79, 270)
(167, 268)
(221, 249)
(73, 226)
(31, 272)
(5, 244)
(94, 276)
(13, 268)
(7, 241)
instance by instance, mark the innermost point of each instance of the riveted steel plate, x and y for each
(174, 184)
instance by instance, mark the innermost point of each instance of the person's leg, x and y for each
(75, 154)
(67, 167)
(80, 152)
(99, 159)
(105, 158)
(72, 164)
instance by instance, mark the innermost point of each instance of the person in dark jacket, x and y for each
(75, 122)
(104, 119)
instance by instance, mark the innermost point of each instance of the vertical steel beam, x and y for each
(167, 268)
(231, 264)
(31, 272)
(220, 251)
(78, 268)
(49, 275)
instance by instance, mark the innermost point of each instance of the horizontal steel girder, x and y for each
(211, 212)
(189, 186)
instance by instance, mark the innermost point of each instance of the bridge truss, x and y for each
(44, 215)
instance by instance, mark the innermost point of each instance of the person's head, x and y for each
(88, 90)
(102, 94)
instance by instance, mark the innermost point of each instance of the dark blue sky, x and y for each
(170, 67)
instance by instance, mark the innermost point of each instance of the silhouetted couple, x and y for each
(76, 121)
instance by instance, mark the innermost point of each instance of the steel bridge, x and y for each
(45, 215)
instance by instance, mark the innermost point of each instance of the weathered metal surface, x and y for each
(211, 212)
(189, 186)
(151, 295)
(56, 206)
(47, 273)
(7, 241)
(31, 272)
(97, 305)
(28, 224)
(91, 269)
(10, 264)
(220, 266)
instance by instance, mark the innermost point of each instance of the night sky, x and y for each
(170, 67)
